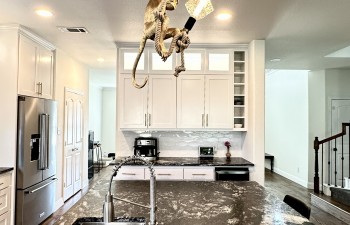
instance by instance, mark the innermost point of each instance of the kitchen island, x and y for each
(189, 203)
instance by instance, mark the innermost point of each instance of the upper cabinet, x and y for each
(35, 71)
(210, 94)
(152, 107)
(204, 101)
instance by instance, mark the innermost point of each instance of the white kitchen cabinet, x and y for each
(5, 198)
(199, 173)
(205, 101)
(131, 173)
(153, 106)
(35, 70)
(166, 173)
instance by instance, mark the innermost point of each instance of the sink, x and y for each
(117, 221)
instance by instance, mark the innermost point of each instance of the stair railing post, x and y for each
(316, 177)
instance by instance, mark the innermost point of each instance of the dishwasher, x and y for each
(232, 173)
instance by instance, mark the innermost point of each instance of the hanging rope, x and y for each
(180, 41)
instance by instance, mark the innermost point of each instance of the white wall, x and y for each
(95, 110)
(73, 75)
(254, 139)
(287, 123)
(108, 120)
(316, 115)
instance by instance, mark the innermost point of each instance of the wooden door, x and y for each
(190, 101)
(73, 136)
(340, 113)
(218, 101)
(162, 101)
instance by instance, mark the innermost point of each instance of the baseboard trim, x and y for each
(291, 177)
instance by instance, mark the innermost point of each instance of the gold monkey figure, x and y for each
(156, 28)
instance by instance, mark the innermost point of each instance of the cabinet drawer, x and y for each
(199, 174)
(130, 173)
(166, 173)
(5, 218)
(5, 200)
(5, 180)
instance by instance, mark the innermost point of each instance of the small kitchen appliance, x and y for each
(146, 147)
(205, 152)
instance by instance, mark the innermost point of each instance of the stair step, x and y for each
(330, 206)
(341, 195)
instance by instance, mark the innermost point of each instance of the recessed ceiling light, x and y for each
(100, 59)
(43, 13)
(224, 16)
(275, 60)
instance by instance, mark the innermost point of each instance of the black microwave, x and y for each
(205, 152)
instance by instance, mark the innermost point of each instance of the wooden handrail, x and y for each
(317, 144)
(344, 125)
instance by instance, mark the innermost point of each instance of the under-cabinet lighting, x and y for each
(100, 59)
(275, 60)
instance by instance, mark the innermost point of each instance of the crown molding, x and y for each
(29, 34)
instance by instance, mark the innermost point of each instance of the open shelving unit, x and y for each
(240, 98)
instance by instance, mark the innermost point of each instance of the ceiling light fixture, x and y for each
(224, 16)
(43, 13)
(100, 59)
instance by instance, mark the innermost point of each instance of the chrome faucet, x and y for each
(108, 207)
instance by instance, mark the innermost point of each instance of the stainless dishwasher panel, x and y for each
(36, 203)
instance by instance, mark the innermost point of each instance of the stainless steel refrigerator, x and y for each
(36, 160)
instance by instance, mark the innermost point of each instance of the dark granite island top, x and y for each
(5, 169)
(194, 161)
(190, 203)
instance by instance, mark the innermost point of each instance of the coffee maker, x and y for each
(146, 147)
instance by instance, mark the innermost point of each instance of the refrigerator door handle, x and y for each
(37, 189)
(44, 127)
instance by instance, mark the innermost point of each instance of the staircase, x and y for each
(333, 154)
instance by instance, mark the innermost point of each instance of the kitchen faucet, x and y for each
(108, 207)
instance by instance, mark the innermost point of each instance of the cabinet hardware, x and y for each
(202, 120)
(41, 88)
(198, 174)
(164, 174)
(132, 174)
(145, 120)
(207, 120)
(149, 120)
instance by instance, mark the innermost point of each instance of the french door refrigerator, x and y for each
(36, 160)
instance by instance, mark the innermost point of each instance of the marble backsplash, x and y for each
(185, 143)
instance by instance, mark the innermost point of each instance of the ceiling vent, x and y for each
(73, 29)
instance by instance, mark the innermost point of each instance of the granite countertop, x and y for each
(5, 169)
(193, 161)
(189, 203)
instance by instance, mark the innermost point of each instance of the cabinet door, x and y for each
(190, 101)
(45, 72)
(27, 67)
(162, 101)
(218, 101)
(133, 103)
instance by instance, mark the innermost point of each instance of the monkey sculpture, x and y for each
(156, 28)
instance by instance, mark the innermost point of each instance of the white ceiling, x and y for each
(300, 32)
